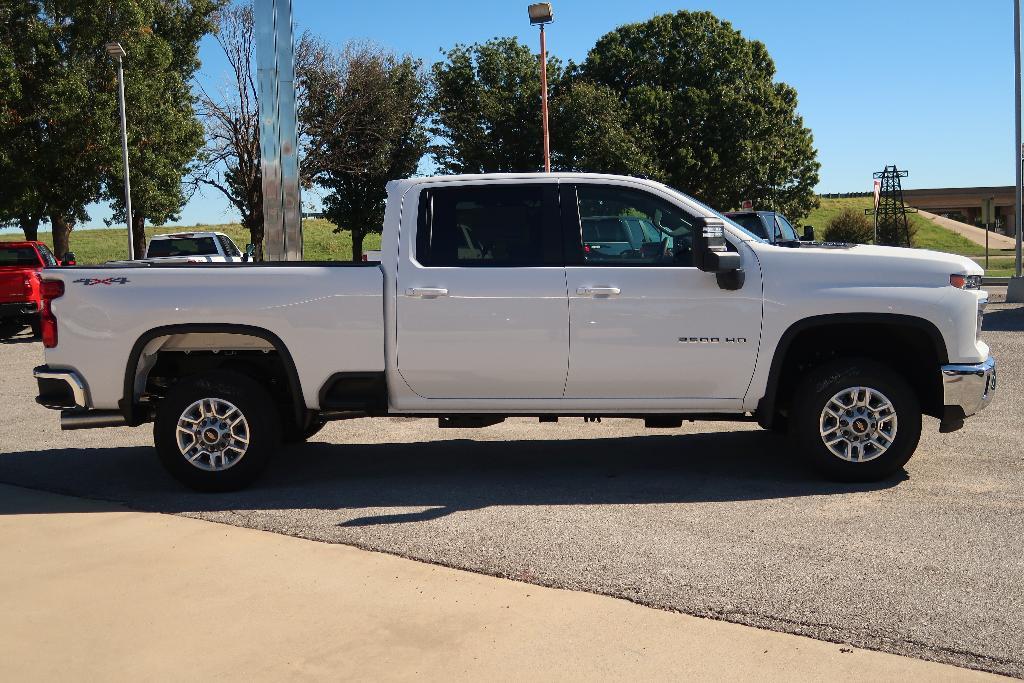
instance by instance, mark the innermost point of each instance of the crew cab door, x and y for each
(647, 323)
(481, 300)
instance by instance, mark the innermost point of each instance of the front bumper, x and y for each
(966, 389)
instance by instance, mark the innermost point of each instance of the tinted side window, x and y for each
(623, 227)
(229, 247)
(47, 255)
(483, 226)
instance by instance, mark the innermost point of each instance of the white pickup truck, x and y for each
(488, 302)
(194, 247)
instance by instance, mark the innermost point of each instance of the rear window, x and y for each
(182, 246)
(18, 256)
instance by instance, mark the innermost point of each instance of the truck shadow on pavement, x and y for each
(442, 477)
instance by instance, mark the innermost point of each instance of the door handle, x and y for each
(426, 291)
(599, 291)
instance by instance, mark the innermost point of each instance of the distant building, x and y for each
(311, 214)
(964, 203)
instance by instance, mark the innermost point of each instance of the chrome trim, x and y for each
(72, 378)
(970, 387)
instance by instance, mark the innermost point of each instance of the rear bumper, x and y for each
(60, 389)
(966, 389)
(18, 309)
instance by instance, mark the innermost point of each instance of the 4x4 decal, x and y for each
(89, 281)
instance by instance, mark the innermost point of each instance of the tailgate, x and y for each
(15, 285)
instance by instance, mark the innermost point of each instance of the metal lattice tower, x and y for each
(893, 230)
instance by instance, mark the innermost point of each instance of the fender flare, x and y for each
(766, 405)
(128, 405)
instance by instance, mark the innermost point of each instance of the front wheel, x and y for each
(216, 432)
(856, 420)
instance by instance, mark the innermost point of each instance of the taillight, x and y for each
(49, 290)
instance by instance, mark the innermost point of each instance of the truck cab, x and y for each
(194, 247)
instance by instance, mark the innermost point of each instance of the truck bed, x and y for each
(328, 315)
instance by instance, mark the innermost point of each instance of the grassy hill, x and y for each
(928, 235)
(321, 244)
(97, 246)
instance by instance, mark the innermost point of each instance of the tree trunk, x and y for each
(357, 245)
(139, 234)
(255, 227)
(61, 235)
(30, 226)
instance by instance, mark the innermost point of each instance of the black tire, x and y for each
(293, 434)
(261, 417)
(37, 328)
(827, 380)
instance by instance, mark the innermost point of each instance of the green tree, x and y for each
(364, 114)
(485, 108)
(851, 226)
(709, 110)
(164, 134)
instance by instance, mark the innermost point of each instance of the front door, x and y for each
(482, 308)
(643, 322)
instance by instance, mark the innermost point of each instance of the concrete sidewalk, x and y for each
(997, 241)
(91, 590)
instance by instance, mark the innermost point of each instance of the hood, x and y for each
(866, 262)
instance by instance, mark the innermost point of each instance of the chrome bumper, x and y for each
(969, 387)
(60, 389)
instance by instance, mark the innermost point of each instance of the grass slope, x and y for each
(97, 246)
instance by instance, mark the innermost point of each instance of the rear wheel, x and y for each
(856, 420)
(9, 328)
(216, 432)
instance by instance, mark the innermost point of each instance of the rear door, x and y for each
(481, 300)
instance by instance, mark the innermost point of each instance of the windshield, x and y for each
(751, 221)
(181, 246)
(716, 213)
(18, 256)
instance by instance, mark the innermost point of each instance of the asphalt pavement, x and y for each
(712, 520)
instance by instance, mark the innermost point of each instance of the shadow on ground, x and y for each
(449, 476)
(1004, 320)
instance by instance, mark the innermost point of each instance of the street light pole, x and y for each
(1015, 290)
(541, 14)
(544, 101)
(115, 50)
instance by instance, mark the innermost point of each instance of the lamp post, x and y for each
(115, 50)
(540, 15)
(1015, 290)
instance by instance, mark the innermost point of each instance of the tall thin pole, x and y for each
(1017, 149)
(124, 158)
(544, 99)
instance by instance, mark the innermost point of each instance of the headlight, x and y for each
(965, 281)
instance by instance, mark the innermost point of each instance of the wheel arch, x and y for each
(129, 403)
(820, 326)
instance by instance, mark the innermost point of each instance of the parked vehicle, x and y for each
(20, 300)
(468, 317)
(194, 247)
(371, 255)
(771, 226)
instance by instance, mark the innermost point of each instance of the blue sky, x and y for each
(925, 85)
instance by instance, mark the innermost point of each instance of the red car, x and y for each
(20, 300)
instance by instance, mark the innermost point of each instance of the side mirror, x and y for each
(808, 233)
(69, 259)
(250, 249)
(711, 253)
